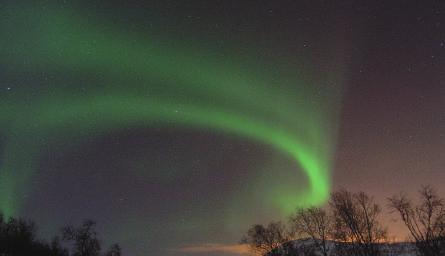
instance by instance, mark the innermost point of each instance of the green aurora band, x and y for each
(133, 81)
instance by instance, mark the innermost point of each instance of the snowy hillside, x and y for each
(303, 248)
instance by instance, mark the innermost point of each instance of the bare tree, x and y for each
(56, 248)
(314, 223)
(356, 223)
(115, 250)
(425, 221)
(263, 240)
(84, 238)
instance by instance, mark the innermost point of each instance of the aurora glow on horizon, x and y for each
(119, 79)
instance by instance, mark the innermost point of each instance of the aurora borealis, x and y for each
(176, 125)
(145, 84)
(100, 79)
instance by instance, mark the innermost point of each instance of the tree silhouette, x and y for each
(425, 221)
(263, 239)
(115, 250)
(356, 223)
(18, 238)
(84, 239)
(85, 242)
(351, 223)
(314, 223)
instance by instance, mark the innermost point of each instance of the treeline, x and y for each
(18, 238)
(350, 225)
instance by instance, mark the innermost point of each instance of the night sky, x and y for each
(178, 124)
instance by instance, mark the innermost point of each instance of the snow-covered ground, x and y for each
(298, 248)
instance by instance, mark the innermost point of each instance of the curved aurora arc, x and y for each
(144, 84)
